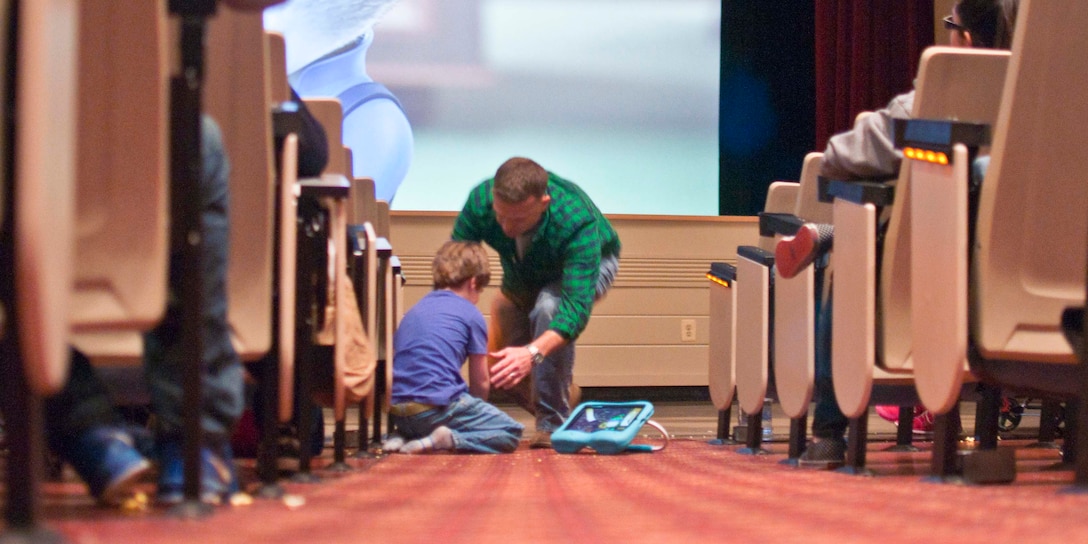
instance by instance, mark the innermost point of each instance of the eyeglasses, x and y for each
(950, 24)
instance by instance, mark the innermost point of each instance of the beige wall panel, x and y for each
(642, 330)
(630, 366)
(691, 301)
(633, 338)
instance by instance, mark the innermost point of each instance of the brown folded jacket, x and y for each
(360, 357)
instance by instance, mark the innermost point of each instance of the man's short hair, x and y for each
(457, 262)
(518, 179)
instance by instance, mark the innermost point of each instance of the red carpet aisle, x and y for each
(691, 492)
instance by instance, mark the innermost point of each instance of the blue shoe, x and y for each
(218, 480)
(107, 460)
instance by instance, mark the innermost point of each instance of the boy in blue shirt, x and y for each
(433, 408)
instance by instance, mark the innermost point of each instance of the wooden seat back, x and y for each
(122, 246)
(237, 95)
(123, 160)
(44, 178)
(1032, 229)
(961, 84)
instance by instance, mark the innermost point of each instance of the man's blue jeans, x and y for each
(477, 426)
(553, 376)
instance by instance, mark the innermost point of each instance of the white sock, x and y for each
(393, 443)
(439, 439)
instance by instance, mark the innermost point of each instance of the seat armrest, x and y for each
(328, 185)
(877, 193)
(356, 238)
(938, 135)
(722, 272)
(785, 224)
(286, 119)
(757, 255)
(385, 249)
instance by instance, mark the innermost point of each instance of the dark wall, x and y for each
(767, 115)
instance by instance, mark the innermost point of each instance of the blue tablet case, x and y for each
(606, 427)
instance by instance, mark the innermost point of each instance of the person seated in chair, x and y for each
(81, 424)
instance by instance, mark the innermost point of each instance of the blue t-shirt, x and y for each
(430, 346)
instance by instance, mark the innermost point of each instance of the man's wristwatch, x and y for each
(535, 352)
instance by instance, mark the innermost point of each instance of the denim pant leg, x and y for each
(83, 404)
(163, 348)
(828, 420)
(553, 376)
(477, 426)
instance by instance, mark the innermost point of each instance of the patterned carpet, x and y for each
(690, 492)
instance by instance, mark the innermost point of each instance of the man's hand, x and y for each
(512, 365)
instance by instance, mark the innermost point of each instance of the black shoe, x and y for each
(541, 440)
(826, 454)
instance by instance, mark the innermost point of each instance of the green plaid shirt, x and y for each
(567, 247)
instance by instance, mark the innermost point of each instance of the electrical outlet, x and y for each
(687, 330)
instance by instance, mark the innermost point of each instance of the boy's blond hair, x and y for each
(457, 262)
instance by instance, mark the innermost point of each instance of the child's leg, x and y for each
(440, 439)
(468, 424)
(393, 443)
(480, 427)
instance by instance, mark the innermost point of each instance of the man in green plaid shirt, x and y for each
(559, 254)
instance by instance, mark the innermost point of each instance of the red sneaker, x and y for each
(793, 253)
(923, 420)
(888, 412)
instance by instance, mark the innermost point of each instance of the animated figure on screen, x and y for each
(327, 41)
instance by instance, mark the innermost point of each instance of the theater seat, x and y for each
(872, 343)
(36, 230)
(44, 177)
(753, 298)
(721, 351)
(237, 95)
(122, 205)
(1028, 258)
(795, 304)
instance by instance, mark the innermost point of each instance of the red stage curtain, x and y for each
(867, 51)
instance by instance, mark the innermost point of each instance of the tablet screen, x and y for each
(603, 418)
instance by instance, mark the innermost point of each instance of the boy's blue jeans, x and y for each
(478, 427)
